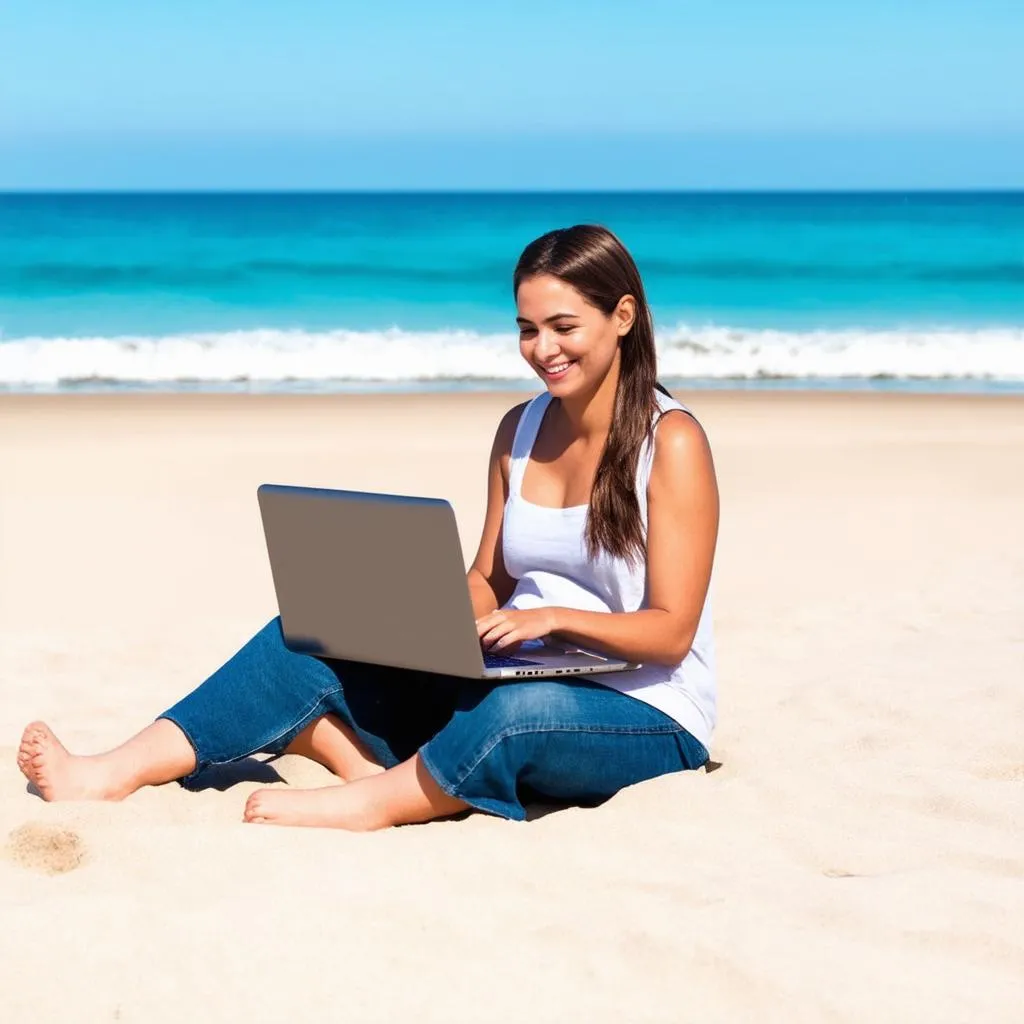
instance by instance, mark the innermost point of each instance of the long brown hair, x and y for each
(591, 259)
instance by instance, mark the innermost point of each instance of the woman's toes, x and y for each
(253, 807)
(265, 807)
(58, 775)
(36, 733)
(329, 807)
(38, 745)
(39, 737)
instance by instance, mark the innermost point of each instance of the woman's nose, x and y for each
(546, 345)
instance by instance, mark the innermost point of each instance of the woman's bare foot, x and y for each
(58, 775)
(401, 795)
(330, 807)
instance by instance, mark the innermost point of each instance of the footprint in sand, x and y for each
(47, 848)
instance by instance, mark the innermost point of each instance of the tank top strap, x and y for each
(525, 435)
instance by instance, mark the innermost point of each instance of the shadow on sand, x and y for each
(223, 776)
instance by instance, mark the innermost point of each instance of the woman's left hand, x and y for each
(505, 629)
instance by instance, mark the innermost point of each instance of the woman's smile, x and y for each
(556, 371)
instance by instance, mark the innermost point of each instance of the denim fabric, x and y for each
(492, 745)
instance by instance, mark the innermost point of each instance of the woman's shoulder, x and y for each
(509, 425)
(680, 444)
(673, 418)
(505, 435)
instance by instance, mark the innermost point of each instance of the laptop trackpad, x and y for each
(571, 657)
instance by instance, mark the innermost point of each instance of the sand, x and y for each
(859, 854)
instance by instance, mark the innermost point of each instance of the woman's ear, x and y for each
(625, 314)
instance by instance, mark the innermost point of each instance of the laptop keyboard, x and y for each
(505, 661)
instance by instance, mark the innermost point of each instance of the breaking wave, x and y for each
(396, 356)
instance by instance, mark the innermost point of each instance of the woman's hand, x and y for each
(505, 629)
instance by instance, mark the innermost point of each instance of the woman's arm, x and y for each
(490, 586)
(682, 530)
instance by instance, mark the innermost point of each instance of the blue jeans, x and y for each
(492, 745)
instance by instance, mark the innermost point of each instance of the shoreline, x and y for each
(764, 386)
(821, 396)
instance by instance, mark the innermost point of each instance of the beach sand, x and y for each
(858, 855)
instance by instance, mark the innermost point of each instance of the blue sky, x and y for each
(552, 94)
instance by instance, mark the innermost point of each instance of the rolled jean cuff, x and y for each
(513, 811)
(490, 779)
(185, 780)
(275, 745)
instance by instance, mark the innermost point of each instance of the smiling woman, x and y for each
(600, 532)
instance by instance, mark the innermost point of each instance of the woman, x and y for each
(600, 530)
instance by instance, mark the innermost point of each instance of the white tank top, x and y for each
(545, 551)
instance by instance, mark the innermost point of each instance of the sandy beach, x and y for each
(857, 855)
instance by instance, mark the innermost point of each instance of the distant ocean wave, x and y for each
(85, 277)
(396, 356)
(778, 269)
(47, 276)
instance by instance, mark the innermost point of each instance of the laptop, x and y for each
(379, 578)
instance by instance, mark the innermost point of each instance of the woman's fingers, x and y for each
(496, 632)
(494, 620)
(509, 639)
(502, 629)
(489, 621)
(502, 634)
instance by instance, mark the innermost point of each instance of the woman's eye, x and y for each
(561, 329)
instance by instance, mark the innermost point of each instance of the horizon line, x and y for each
(300, 190)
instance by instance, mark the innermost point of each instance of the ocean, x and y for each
(383, 291)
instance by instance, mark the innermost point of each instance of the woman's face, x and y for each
(570, 344)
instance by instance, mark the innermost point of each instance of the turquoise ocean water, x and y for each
(383, 291)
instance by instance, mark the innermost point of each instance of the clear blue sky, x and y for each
(530, 94)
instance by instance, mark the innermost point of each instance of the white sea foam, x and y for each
(395, 356)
